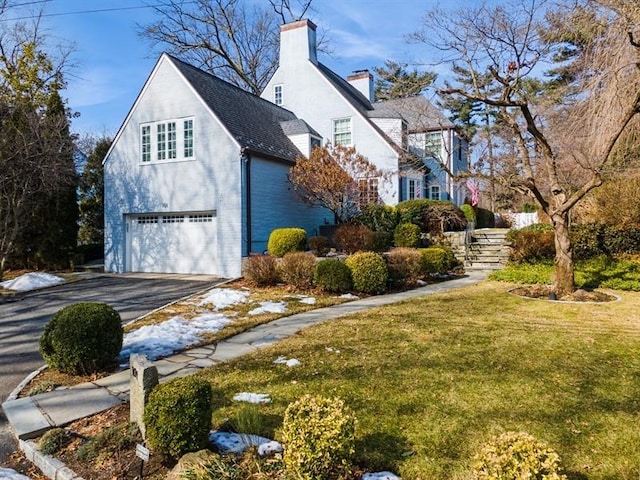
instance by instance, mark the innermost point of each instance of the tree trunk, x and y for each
(563, 283)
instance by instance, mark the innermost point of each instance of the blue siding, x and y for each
(274, 205)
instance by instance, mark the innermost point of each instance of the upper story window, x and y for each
(173, 141)
(342, 131)
(277, 94)
(435, 192)
(433, 145)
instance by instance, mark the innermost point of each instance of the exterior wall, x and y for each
(307, 93)
(211, 181)
(392, 127)
(274, 205)
(302, 142)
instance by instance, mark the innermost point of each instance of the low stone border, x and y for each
(616, 298)
(49, 466)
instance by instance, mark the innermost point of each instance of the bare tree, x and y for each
(229, 38)
(561, 140)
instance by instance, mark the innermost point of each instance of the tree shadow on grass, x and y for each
(381, 451)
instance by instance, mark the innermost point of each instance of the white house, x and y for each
(401, 137)
(196, 178)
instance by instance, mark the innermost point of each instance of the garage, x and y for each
(172, 242)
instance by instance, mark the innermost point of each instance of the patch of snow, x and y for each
(269, 307)
(380, 476)
(349, 296)
(252, 397)
(421, 283)
(292, 362)
(9, 474)
(227, 442)
(32, 281)
(177, 333)
(331, 349)
(224, 297)
(308, 300)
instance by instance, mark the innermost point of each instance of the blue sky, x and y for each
(112, 62)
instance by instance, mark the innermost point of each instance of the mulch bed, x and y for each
(545, 292)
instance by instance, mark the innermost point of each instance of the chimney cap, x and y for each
(298, 24)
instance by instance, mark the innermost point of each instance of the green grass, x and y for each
(432, 379)
(598, 272)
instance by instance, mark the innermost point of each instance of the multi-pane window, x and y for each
(277, 94)
(414, 188)
(145, 141)
(161, 130)
(342, 131)
(188, 138)
(433, 145)
(172, 142)
(435, 192)
(368, 191)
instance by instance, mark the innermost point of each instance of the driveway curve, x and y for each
(22, 319)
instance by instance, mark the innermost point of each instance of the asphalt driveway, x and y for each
(23, 319)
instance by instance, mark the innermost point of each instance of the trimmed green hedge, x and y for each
(286, 240)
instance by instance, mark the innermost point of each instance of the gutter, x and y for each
(245, 155)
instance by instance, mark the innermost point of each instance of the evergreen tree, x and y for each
(92, 196)
(395, 81)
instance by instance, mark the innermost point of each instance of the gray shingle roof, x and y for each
(421, 115)
(297, 127)
(254, 122)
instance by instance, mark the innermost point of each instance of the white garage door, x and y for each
(172, 243)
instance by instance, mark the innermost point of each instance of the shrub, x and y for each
(414, 211)
(469, 213)
(405, 265)
(436, 260)
(406, 235)
(116, 438)
(297, 268)
(319, 437)
(286, 240)
(177, 416)
(319, 245)
(619, 239)
(485, 218)
(53, 441)
(444, 216)
(353, 238)
(529, 208)
(82, 338)
(532, 246)
(379, 218)
(368, 272)
(332, 275)
(517, 455)
(261, 270)
(588, 240)
(381, 241)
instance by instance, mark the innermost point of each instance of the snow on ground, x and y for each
(349, 296)
(9, 474)
(252, 397)
(175, 334)
(269, 307)
(292, 362)
(380, 476)
(308, 300)
(238, 443)
(224, 297)
(32, 281)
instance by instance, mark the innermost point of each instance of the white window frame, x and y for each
(169, 140)
(434, 192)
(342, 131)
(415, 184)
(433, 149)
(368, 191)
(277, 94)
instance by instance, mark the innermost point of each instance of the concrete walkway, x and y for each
(31, 416)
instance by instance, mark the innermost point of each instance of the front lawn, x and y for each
(434, 378)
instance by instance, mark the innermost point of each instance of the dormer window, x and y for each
(277, 94)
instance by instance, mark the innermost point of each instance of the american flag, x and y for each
(473, 187)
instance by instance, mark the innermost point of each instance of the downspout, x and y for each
(246, 158)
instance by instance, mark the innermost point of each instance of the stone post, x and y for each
(144, 376)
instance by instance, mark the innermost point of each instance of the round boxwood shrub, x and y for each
(436, 260)
(332, 275)
(319, 437)
(177, 416)
(286, 240)
(368, 272)
(82, 338)
(517, 455)
(406, 235)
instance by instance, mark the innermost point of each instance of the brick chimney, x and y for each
(362, 81)
(298, 43)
